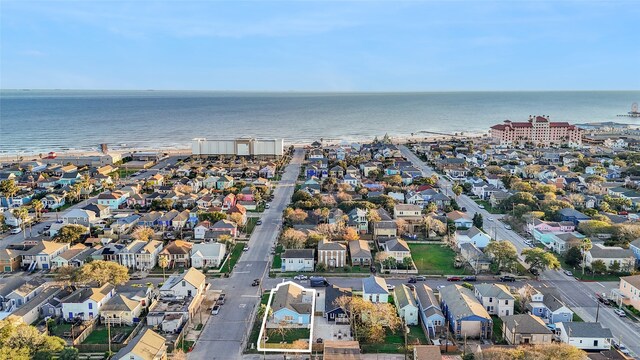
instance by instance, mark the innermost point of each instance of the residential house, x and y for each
(411, 214)
(586, 336)
(140, 255)
(431, 314)
(226, 226)
(475, 257)
(22, 294)
(292, 304)
(224, 182)
(108, 252)
(406, 304)
(121, 310)
(298, 260)
(466, 315)
(207, 255)
(332, 311)
(358, 220)
(546, 305)
(10, 260)
(147, 345)
(112, 199)
(30, 312)
(177, 254)
(397, 248)
(374, 289)
(629, 291)
(239, 209)
(80, 217)
(150, 219)
(53, 201)
(75, 256)
(165, 220)
(474, 236)
(85, 303)
(41, 255)
(610, 255)
(360, 253)
(561, 242)
(525, 329)
(462, 220)
(575, 216)
(496, 299)
(332, 254)
(191, 283)
(100, 211)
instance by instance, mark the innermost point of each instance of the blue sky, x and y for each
(321, 45)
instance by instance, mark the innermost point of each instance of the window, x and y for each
(90, 306)
(184, 283)
(490, 299)
(595, 342)
(506, 302)
(288, 318)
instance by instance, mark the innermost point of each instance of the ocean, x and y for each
(39, 121)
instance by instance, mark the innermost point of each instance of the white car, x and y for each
(507, 226)
(619, 312)
(16, 231)
(300, 277)
(481, 206)
(490, 219)
(390, 287)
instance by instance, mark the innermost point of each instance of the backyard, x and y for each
(394, 342)
(434, 259)
(291, 335)
(99, 334)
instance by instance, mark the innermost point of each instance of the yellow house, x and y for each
(629, 288)
(148, 345)
(120, 310)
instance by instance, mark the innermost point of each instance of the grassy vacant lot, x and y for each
(255, 330)
(99, 334)
(434, 259)
(487, 206)
(577, 272)
(289, 337)
(277, 260)
(251, 224)
(394, 343)
(233, 259)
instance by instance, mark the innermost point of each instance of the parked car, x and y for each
(390, 287)
(412, 280)
(411, 286)
(463, 209)
(318, 281)
(454, 278)
(266, 206)
(568, 273)
(222, 296)
(300, 277)
(256, 282)
(421, 278)
(603, 299)
(16, 231)
(470, 278)
(246, 248)
(507, 278)
(507, 226)
(620, 312)
(534, 271)
(259, 222)
(490, 219)
(481, 206)
(215, 310)
(220, 302)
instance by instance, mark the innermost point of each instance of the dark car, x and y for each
(507, 278)
(464, 209)
(256, 282)
(412, 280)
(454, 278)
(421, 278)
(469, 278)
(534, 271)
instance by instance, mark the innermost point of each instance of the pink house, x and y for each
(225, 226)
(229, 201)
(550, 226)
(246, 194)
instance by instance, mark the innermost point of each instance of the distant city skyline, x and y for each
(319, 46)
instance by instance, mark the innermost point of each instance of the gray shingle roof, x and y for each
(526, 324)
(374, 285)
(462, 303)
(587, 329)
(298, 254)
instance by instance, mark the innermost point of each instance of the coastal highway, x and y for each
(225, 334)
(577, 295)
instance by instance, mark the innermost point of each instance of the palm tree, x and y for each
(37, 207)
(21, 213)
(585, 246)
(163, 261)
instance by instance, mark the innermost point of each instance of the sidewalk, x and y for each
(319, 357)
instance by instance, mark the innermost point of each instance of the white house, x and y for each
(611, 254)
(207, 255)
(375, 289)
(473, 236)
(297, 260)
(80, 217)
(85, 303)
(332, 254)
(41, 255)
(496, 299)
(406, 304)
(397, 248)
(190, 283)
(584, 335)
(461, 219)
(140, 255)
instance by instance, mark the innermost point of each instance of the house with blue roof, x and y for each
(573, 215)
(291, 304)
(466, 315)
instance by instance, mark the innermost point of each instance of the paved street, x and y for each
(578, 295)
(224, 334)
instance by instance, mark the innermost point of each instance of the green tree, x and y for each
(212, 217)
(431, 207)
(598, 267)
(615, 267)
(37, 207)
(477, 220)
(69, 353)
(70, 233)
(9, 188)
(22, 341)
(104, 272)
(573, 257)
(21, 214)
(503, 253)
(457, 190)
(540, 260)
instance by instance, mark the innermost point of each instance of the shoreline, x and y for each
(186, 149)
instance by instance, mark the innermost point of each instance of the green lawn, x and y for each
(394, 342)
(186, 345)
(577, 318)
(289, 337)
(434, 259)
(233, 259)
(99, 334)
(251, 224)
(497, 330)
(60, 329)
(577, 272)
(277, 260)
